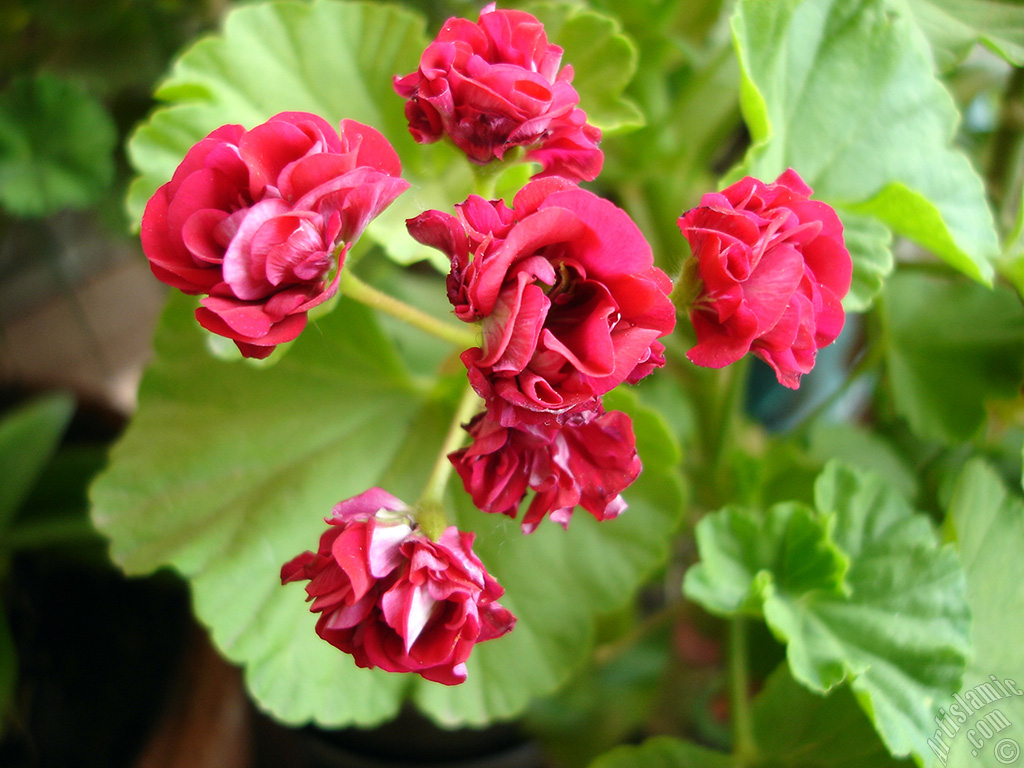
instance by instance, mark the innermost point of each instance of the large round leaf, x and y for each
(882, 148)
(227, 471)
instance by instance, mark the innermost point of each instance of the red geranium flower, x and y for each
(565, 287)
(495, 85)
(394, 599)
(587, 461)
(257, 220)
(773, 271)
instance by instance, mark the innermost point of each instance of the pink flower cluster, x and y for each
(394, 599)
(570, 305)
(257, 221)
(562, 284)
(495, 85)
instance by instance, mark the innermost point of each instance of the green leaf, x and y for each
(794, 728)
(897, 633)
(989, 525)
(879, 144)
(664, 752)
(864, 449)
(606, 703)
(28, 438)
(603, 59)
(953, 27)
(869, 243)
(227, 471)
(56, 146)
(747, 559)
(950, 346)
(335, 59)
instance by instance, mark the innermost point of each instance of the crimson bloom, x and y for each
(773, 271)
(497, 84)
(394, 599)
(257, 220)
(587, 461)
(565, 287)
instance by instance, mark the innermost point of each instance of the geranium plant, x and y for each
(726, 277)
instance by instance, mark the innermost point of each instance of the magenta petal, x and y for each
(267, 149)
(245, 319)
(511, 332)
(349, 552)
(771, 285)
(367, 504)
(199, 234)
(384, 552)
(583, 335)
(243, 270)
(552, 225)
(374, 150)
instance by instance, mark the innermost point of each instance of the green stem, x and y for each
(430, 510)
(636, 202)
(354, 288)
(59, 531)
(727, 404)
(869, 362)
(607, 652)
(686, 287)
(485, 179)
(1005, 149)
(743, 747)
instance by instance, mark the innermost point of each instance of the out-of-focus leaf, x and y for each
(603, 705)
(864, 449)
(794, 728)
(950, 346)
(664, 752)
(56, 146)
(868, 241)
(881, 144)
(28, 438)
(989, 524)
(8, 669)
(953, 27)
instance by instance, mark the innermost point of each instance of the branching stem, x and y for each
(354, 288)
(430, 510)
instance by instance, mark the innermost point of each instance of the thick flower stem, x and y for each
(485, 179)
(429, 509)
(727, 400)
(351, 286)
(744, 748)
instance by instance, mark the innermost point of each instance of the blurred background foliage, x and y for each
(75, 80)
